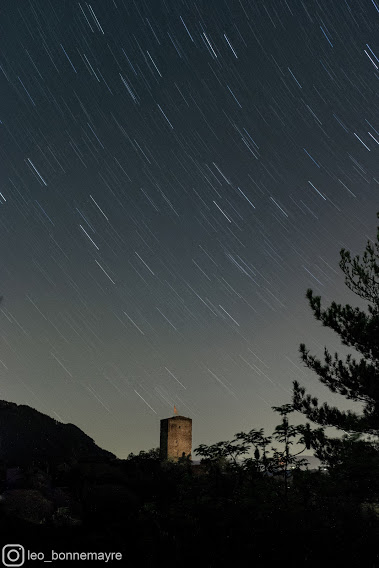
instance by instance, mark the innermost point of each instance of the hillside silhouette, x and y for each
(27, 435)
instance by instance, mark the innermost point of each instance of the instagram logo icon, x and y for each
(13, 555)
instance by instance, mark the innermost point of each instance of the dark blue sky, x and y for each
(175, 175)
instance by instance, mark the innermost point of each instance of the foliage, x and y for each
(27, 504)
(143, 455)
(225, 457)
(353, 459)
(355, 380)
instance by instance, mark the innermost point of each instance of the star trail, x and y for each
(175, 175)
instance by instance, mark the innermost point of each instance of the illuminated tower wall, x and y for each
(176, 437)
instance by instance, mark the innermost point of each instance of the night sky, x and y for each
(175, 175)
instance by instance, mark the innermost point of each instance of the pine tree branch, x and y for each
(355, 381)
(325, 415)
(354, 326)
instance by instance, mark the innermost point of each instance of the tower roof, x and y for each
(176, 417)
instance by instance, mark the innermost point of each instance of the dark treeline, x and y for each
(251, 500)
(210, 515)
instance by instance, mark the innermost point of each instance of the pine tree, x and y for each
(355, 380)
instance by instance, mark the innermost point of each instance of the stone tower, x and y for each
(176, 437)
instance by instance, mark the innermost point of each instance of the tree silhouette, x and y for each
(355, 380)
(260, 442)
